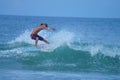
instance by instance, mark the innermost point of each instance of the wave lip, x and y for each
(108, 50)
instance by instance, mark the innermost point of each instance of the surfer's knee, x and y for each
(37, 38)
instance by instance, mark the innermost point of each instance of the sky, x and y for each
(62, 8)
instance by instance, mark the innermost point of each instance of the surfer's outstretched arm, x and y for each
(48, 28)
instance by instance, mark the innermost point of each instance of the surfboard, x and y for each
(39, 49)
(32, 50)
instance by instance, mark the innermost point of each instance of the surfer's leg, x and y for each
(45, 41)
(36, 42)
(42, 39)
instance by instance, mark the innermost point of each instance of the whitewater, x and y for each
(79, 49)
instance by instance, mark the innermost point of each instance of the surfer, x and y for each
(34, 35)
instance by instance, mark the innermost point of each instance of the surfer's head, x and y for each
(44, 24)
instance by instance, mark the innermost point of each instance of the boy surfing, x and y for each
(34, 35)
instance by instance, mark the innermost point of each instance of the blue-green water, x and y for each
(80, 49)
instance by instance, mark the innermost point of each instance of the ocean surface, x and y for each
(79, 49)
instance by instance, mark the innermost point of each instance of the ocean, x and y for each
(79, 49)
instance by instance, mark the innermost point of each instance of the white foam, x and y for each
(56, 39)
(98, 48)
(12, 52)
(25, 37)
(61, 38)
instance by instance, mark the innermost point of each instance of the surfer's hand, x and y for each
(53, 29)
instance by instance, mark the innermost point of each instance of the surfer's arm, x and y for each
(48, 28)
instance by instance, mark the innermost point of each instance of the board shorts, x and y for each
(34, 36)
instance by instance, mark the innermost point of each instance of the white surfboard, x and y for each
(45, 48)
(31, 50)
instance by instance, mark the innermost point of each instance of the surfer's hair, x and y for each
(44, 24)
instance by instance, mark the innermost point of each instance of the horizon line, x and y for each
(58, 16)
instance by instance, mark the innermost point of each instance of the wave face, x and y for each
(79, 45)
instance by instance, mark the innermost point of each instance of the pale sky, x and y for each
(62, 8)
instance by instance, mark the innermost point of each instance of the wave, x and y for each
(61, 59)
(60, 39)
(65, 53)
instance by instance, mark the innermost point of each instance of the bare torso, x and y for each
(36, 30)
